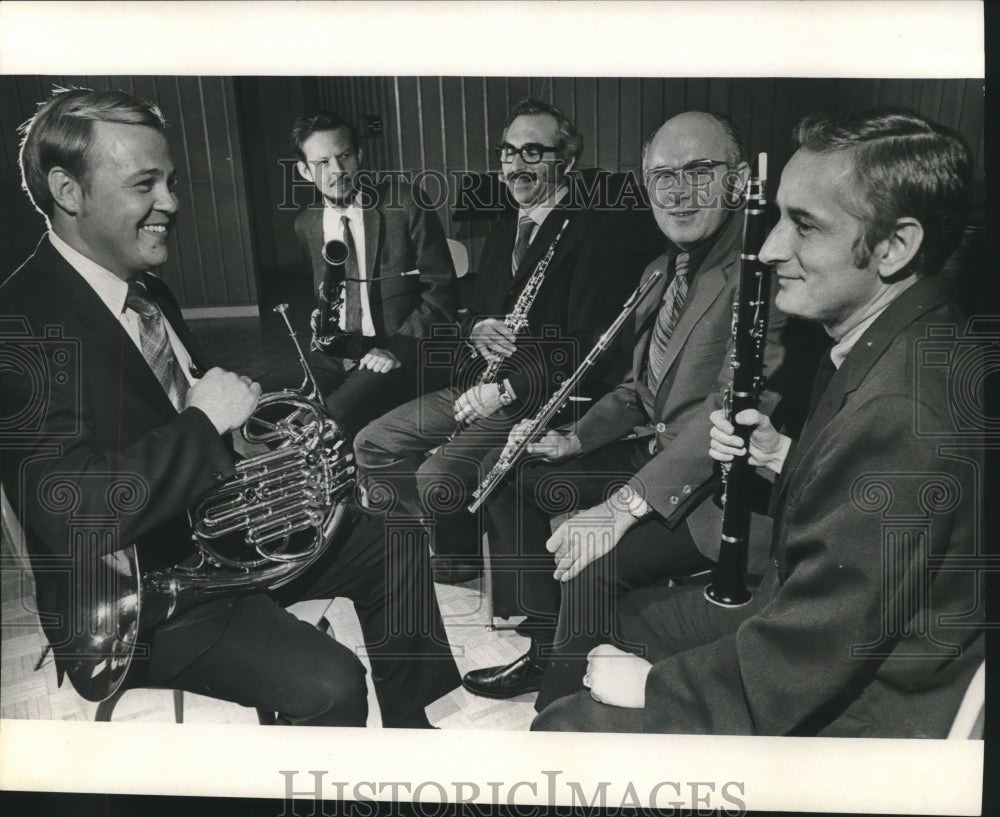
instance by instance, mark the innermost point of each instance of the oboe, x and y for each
(539, 423)
(517, 318)
(728, 587)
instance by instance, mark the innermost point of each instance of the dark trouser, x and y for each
(567, 620)
(267, 658)
(353, 396)
(663, 622)
(398, 476)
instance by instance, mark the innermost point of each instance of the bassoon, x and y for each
(540, 422)
(728, 587)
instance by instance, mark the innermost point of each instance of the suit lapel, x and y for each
(372, 219)
(709, 281)
(924, 295)
(539, 245)
(86, 306)
(314, 235)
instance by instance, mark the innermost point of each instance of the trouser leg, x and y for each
(266, 658)
(385, 571)
(648, 553)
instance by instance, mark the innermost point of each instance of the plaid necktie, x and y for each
(352, 286)
(666, 321)
(155, 344)
(524, 228)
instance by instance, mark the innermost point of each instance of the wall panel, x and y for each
(211, 257)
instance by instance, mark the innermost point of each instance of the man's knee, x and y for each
(370, 450)
(562, 715)
(333, 694)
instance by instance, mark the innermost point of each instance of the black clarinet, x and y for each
(729, 587)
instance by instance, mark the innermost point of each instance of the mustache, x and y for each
(529, 174)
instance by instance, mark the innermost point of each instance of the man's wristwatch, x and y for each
(633, 502)
(505, 397)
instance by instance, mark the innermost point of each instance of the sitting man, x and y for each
(861, 627)
(556, 250)
(399, 280)
(112, 458)
(648, 434)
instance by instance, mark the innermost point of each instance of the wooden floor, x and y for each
(27, 692)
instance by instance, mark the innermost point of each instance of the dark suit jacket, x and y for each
(697, 372)
(94, 454)
(584, 288)
(866, 631)
(400, 236)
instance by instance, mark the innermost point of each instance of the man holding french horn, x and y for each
(116, 428)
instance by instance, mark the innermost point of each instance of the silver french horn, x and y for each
(261, 529)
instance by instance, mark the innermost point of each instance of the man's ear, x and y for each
(361, 154)
(568, 166)
(896, 251)
(305, 170)
(65, 190)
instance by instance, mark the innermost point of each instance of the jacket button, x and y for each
(217, 476)
(687, 489)
(674, 500)
(661, 427)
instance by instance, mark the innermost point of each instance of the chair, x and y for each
(968, 723)
(13, 534)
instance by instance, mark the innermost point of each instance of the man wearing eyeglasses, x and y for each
(636, 460)
(583, 287)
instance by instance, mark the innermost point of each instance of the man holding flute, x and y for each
(868, 622)
(635, 461)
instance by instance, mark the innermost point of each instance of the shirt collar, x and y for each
(539, 212)
(698, 254)
(351, 210)
(109, 287)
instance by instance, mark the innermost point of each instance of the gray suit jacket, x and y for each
(673, 482)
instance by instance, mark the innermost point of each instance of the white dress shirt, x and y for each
(333, 229)
(112, 290)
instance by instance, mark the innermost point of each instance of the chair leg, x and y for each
(178, 706)
(107, 707)
(266, 717)
(487, 589)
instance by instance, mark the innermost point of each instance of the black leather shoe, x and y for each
(523, 675)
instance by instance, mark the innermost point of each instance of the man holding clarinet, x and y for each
(635, 461)
(869, 620)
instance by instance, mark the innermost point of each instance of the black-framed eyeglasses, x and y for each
(665, 178)
(531, 153)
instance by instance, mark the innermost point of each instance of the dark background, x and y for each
(229, 138)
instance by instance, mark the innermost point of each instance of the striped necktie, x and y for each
(524, 228)
(352, 286)
(155, 344)
(666, 322)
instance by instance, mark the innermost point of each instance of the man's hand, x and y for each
(492, 339)
(617, 678)
(477, 402)
(587, 536)
(379, 361)
(552, 445)
(768, 448)
(226, 398)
